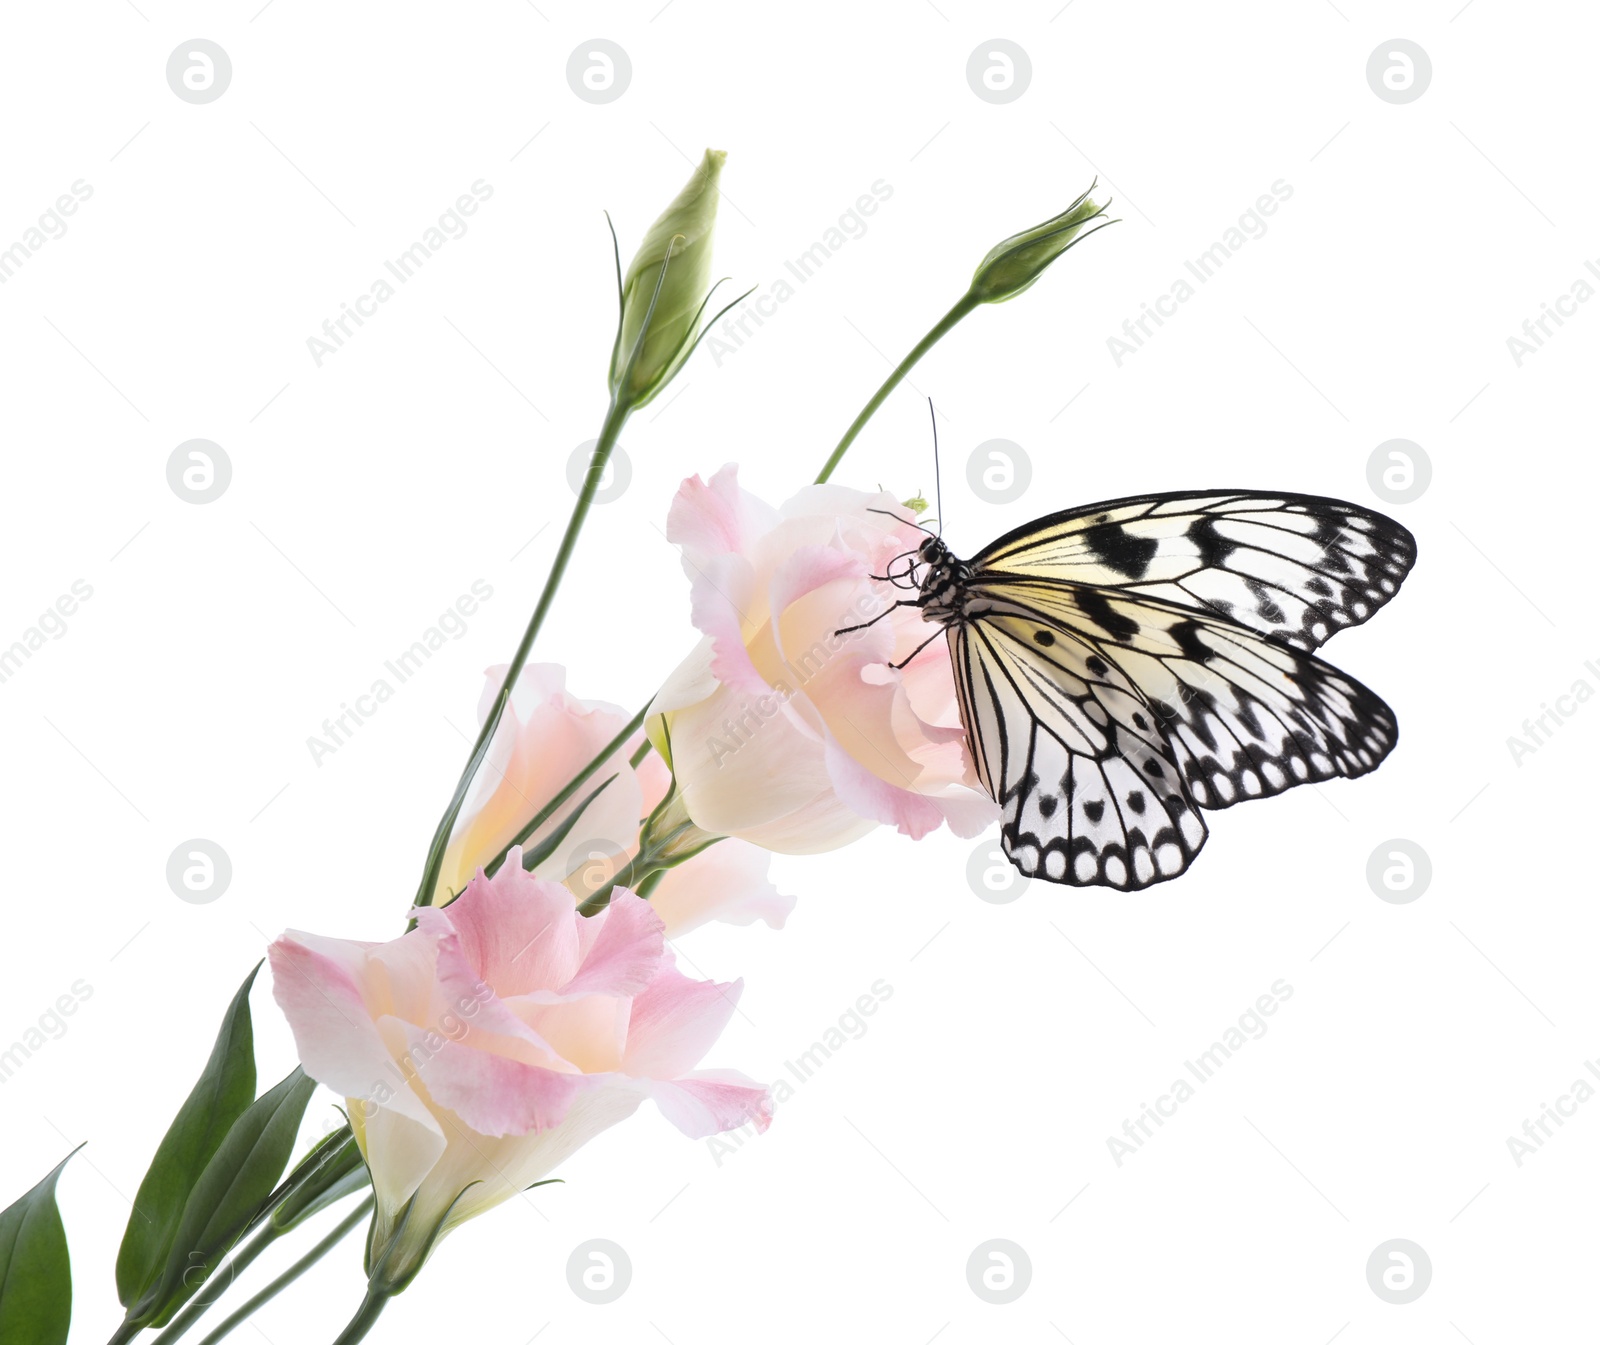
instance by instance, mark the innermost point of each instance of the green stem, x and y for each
(124, 1333)
(633, 875)
(964, 305)
(616, 417)
(651, 881)
(650, 858)
(225, 1277)
(643, 873)
(373, 1304)
(299, 1268)
(622, 404)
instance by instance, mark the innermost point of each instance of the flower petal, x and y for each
(675, 1022)
(493, 1094)
(545, 738)
(687, 684)
(401, 1151)
(490, 1171)
(589, 1031)
(716, 517)
(711, 1101)
(624, 943)
(869, 794)
(518, 932)
(726, 882)
(335, 1036)
(720, 593)
(468, 1008)
(747, 769)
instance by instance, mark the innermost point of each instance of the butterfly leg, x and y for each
(907, 659)
(904, 602)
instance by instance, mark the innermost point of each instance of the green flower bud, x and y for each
(1020, 260)
(680, 242)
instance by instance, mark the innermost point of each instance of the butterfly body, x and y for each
(942, 593)
(1124, 666)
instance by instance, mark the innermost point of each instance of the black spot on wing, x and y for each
(1119, 550)
(1266, 607)
(1213, 548)
(1097, 607)
(1186, 635)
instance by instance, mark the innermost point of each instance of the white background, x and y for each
(430, 452)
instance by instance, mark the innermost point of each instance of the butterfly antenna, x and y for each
(889, 513)
(938, 490)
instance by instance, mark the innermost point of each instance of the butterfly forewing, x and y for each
(1296, 567)
(1090, 790)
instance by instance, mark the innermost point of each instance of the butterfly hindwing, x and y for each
(1296, 567)
(1242, 715)
(1089, 789)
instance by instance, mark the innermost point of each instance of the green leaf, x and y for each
(536, 855)
(225, 1088)
(315, 1162)
(330, 1172)
(35, 1274)
(233, 1194)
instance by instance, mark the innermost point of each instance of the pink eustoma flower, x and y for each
(784, 727)
(546, 737)
(480, 1050)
